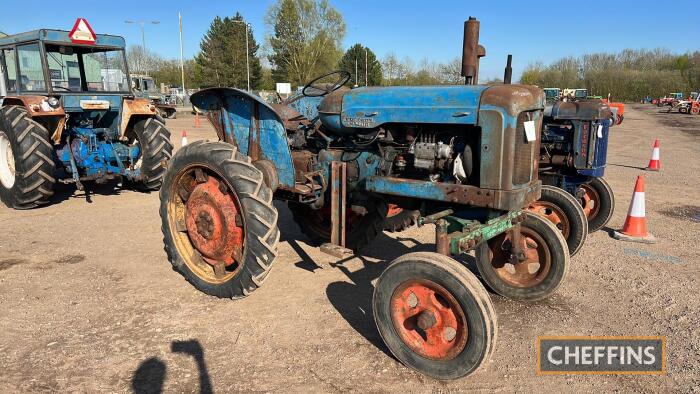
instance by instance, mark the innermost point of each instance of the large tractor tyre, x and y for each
(620, 119)
(26, 164)
(360, 230)
(535, 275)
(399, 219)
(598, 202)
(562, 209)
(156, 150)
(219, 225)
(695, 111)
(434, 315)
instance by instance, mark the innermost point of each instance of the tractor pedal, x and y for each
(336, 250)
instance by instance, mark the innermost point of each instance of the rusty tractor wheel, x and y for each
(598, 202)
(399, 219)
(26, 164)
(562, 209)
(360, 231)
(219, 224)
(434, 315)
(535, 274)
(695, 111)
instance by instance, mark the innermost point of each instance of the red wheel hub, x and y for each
(214, 223)
(429, 320)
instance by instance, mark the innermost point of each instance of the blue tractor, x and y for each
(67, 115)
(466, 156)
(574, 155)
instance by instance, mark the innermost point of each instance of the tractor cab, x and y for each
(552, 94)
(73, 88)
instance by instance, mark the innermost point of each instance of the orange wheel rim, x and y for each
(590, 201)
(553, 213)
(429, 320)
(532, 270)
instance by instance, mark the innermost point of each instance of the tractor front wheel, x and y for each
(533, 275)
(598, 202)
(219, 225)
(399, 219)
(434, 315)
(156, 150)
(26, 164)
(562, 209)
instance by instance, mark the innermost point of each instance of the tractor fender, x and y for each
(134, 107)
(53, 119)
(246, 121)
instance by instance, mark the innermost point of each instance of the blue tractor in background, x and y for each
(68, 115)
(465, 156)
(574, 155)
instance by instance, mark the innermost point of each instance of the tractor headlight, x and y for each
(53, 102)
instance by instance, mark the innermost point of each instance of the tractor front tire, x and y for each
(566, 213)
(539, 274)
(156, 151)
(218, 221)
(26, 164)
(598, 202)
(434, 315)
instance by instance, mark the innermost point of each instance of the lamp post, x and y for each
(247, 51)
(143, 35)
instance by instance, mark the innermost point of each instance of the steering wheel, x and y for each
(318, 88)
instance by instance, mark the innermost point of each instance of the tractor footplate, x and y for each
(336, 250)
(455, 235)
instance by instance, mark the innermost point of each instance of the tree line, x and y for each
(628, 75)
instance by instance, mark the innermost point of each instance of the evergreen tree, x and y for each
(361, 55)
(222, 59)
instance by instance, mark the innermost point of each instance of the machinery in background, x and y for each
(145, 86)
(68, 115)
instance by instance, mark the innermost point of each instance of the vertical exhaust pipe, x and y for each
(471, 51)
(508, 74)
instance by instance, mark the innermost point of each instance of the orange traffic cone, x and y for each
(183, 142)
(196, 120)
(654, 162)
(635, 228)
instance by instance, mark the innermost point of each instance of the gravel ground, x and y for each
(89, 302)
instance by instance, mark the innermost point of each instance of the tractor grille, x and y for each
(523, 160)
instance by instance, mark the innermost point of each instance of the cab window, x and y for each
(10, 68)
(31, 74)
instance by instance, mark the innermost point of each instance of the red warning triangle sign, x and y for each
(82, 32)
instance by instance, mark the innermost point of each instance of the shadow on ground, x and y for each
(149, 377)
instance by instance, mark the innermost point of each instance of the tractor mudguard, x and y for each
(244, 120)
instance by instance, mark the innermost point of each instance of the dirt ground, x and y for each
(88, 301)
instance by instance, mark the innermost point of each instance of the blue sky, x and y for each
(531, 30)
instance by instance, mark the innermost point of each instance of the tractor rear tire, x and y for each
(315, 224)
(434, 315)
(544, 246)
(399, 219)
(254, 231)
(26, 163)
(156, 151)
(562, 209)
(598, 203)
